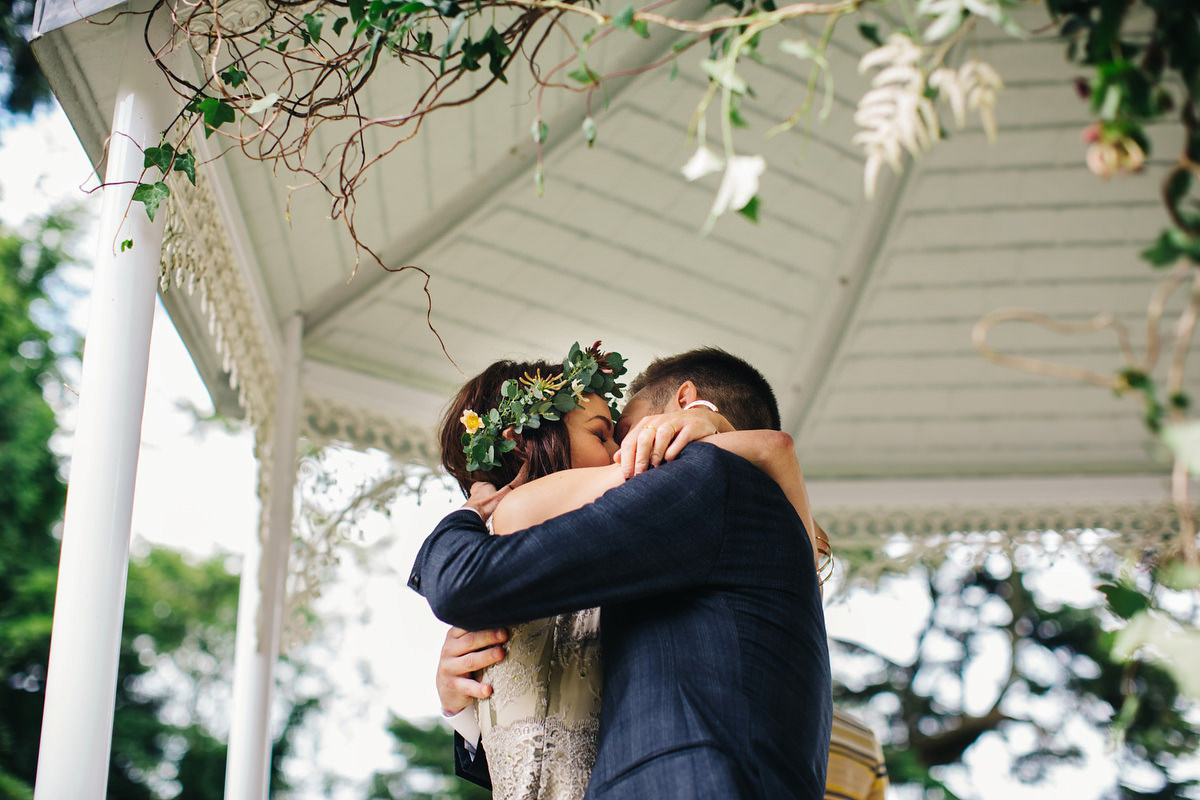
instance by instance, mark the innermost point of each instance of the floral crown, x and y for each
(525, 402)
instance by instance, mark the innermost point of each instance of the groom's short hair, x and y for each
(739, 390)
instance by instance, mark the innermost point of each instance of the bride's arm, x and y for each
(548, 497)
(537, 501)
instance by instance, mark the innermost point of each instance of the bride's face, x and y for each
(590, 428)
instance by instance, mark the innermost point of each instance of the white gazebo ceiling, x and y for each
(860, 312)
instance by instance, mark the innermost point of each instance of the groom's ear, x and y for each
(686, 393)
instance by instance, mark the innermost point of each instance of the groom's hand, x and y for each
(463, 654)
(661, 437)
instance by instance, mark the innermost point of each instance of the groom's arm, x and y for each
(660, 532)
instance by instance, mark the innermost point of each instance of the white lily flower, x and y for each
(895, 115)
(904, 75)
(739, 185)
(871, 174)
(702, 162)
(946, 82)
(899, 49)
(981, 84)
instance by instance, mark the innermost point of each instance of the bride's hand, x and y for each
(484, 497)
(661, 437)
(463, 654)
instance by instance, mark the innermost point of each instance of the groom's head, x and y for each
(708, 373)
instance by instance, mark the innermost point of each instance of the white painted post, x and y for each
(261, 598)
(89, 604)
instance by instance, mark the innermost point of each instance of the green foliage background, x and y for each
(178, 614)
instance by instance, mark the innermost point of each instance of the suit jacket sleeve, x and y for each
(659, 532)
(472, 768)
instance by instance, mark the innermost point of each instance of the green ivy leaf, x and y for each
(1178, 185)
(1124, 600)
(870, 32)
(282, 45)
(313, 23)
(582, 75)
(641, 28)
(338, 24)
(233, 77)
(186, 163)
(126, 244)
(750, 210)
(498, 51)
(469, 61)
(357, 10)
(160, 157)
(451, 36)
(624, 17)
(216, 113)
(151, 195)
(1163, 253)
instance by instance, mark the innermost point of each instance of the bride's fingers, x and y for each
(690, 432)
(464, 666)
(636, 447)
(667, 431)
(472, 688)
(460, 642)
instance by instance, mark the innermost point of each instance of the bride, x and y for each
(547, 432)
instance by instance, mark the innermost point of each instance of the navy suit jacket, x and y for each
(716, 663)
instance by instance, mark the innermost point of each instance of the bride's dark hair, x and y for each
(548, 448)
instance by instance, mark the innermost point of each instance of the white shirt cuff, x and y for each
(468, 508)
(466, 725)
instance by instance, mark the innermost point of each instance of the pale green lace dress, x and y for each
(540, 724)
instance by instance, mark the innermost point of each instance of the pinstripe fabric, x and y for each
(717, 680)
(856, 769)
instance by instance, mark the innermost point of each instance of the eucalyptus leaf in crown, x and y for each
(526, 401)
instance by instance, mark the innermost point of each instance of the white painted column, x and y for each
(89, 604)
(261, 598)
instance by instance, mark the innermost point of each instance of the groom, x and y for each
(716, 664)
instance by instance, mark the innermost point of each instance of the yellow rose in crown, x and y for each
(471, 421)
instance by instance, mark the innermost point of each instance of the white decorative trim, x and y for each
(328, 421)
(875, 541)
(197, 257)
(228, 18)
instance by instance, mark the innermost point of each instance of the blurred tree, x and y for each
(995, 659)
(177, 642)
(427, 768)
(31, 500)
(22, 87)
